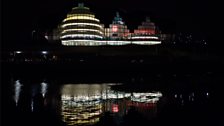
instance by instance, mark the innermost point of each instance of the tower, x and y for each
(80, 27)
(118, 29)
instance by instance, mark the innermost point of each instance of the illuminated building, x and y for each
(145, 34)
(118, 29)
(80, 27)
(147, 28)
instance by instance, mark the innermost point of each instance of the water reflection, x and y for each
(37, 91)
(38, 99)
(43, 88)
(117, 104)
(17, 86)
(86, 103)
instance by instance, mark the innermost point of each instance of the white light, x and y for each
(46, 37)
(81, 40)
(18, 52)
(82, 43)
(207, 94)
(43, 88)
(146, 42)
(103, 42)
(81, 35)
(90, 24)
(44, 52)
(118, 42)
(175, 95)
(80, 18)
(144, 37)
(68, 30)
(17, 87)
(127, 95)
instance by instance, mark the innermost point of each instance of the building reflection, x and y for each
(33, 96)
(84, 104)
(44, 88)
(17, 89)
(105, 103)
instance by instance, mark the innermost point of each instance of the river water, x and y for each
(142, 99)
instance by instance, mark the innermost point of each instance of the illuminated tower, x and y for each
(118, 29)
(81, 28)
(147, 28)
(145, 34)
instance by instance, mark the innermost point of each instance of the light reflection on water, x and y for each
(17, 86)
(43, 88)
(35, 90)
(86, 103)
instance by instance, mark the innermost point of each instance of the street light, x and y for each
(18, 52)
(44, 52)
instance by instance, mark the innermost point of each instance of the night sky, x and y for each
(199, 17)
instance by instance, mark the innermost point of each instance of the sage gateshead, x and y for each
(82, 28)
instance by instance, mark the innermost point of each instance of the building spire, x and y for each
(117, 14)
(118, 19)
(80, 4)
(148, 19)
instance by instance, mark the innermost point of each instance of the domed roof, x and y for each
(81, 9)
(80, 26)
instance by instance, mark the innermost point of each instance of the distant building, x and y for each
(147, 28)
(146, 33)
(81, 28)
(118, 29)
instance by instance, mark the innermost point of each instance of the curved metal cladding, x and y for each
(80, 26)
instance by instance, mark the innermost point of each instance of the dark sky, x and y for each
(20, 17)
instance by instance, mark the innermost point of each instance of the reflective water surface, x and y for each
(176, 100)
(85, 103)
